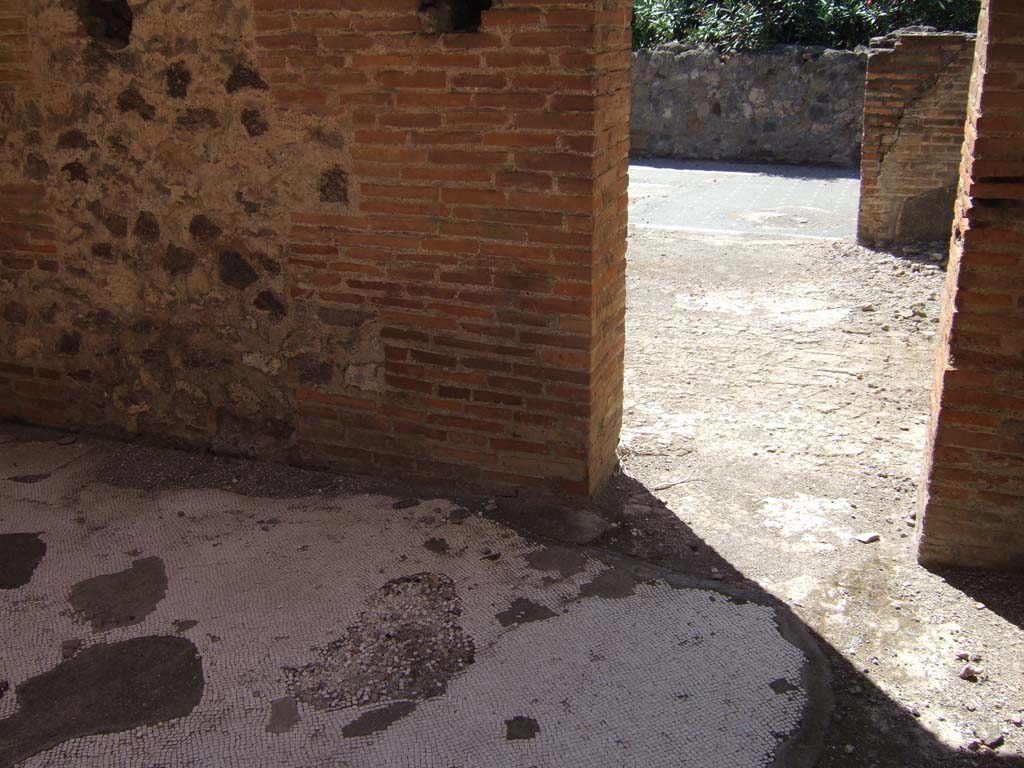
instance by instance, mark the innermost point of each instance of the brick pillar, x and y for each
(914, 103)
(484, 235)
(608, 246)
(973, 499)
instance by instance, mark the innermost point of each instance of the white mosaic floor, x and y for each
(660, 677)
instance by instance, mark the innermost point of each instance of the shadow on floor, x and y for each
(864, 728)
(880, 731)
(999, 592)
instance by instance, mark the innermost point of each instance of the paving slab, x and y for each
(743, 198)
(191, 626)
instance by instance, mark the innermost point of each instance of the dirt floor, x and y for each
(776, 408)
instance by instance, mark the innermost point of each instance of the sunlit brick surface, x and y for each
(973, 500)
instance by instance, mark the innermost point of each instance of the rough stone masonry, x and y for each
(789, 104)
(375, 235)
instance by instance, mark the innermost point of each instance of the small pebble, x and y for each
(971, 672)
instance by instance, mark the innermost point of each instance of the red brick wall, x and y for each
(464, 271)
(26, 231)
(914, 105)
(14, 46)
(973, 507)
(608, 243)
(486, 226)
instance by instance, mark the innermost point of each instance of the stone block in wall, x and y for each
(789, 104)
(914, 107)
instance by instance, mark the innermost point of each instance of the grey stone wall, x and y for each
(790, 104)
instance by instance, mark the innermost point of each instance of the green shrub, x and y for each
(661, 21)
(743, 25)
(652, 23)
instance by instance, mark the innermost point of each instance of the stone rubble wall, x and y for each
(790, 104)
(328, 232)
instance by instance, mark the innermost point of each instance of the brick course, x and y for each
(973, 502)
(914, 104)
(15, 51)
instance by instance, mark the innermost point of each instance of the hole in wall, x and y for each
(455, 15)
(107, 21)
(334, 186)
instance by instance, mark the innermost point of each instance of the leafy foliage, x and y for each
(742, 25)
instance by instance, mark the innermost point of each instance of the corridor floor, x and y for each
(161, 608)
(744, 198)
